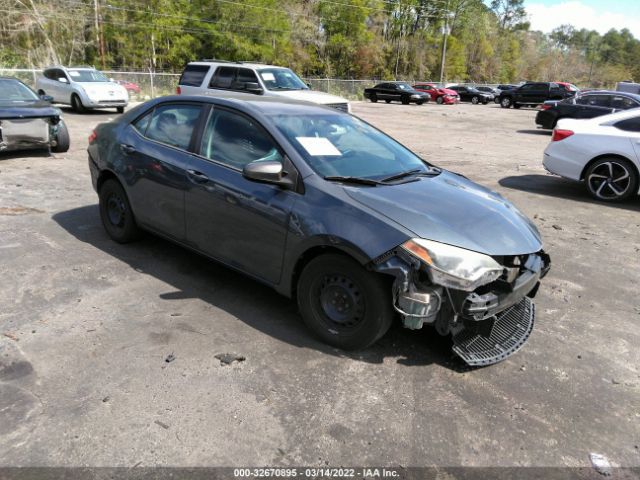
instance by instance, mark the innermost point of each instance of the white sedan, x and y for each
(604, 152)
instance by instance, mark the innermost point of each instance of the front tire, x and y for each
(405, 100)
(63, 140)
(439, 100)
(373, 98)
(611, 179)
(116, 214)
(343, 304)
(506, 102)
(475, 100)
(76, 103)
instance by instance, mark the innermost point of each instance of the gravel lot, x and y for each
(86, 325)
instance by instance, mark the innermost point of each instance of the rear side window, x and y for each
(173, 124)
(594, 100)
(193, 75)
(223, 78)
(629, 125)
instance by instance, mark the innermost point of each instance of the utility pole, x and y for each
(99, 37)
(445, 32)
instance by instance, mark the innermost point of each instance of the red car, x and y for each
(129, 86)
(438, 95)
(569, 87)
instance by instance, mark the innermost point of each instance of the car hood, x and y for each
(451, 209)
(35, 109)
(309, 96)
(446, 91)
(103, 87)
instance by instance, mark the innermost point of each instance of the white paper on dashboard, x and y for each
(319, 146)
(268, 76)
(74, 74)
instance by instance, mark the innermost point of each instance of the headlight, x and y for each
(454, 267)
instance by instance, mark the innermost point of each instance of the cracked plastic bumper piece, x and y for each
(509, 332)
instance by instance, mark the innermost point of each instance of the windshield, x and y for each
(404, 86)
(87, 76)
(342, 145)
(12, 91)
(281, 79)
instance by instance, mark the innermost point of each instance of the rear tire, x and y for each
(373, 98)
(76, 103)
(506, 102)
(405, 100)
(116, 214)
(63, 140)
(611, 179)
(475, 100)
(439, 100)
(343, 304)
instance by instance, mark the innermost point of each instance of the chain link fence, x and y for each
(156, 84)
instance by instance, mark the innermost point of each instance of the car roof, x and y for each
(235, 64)
(255, 103)
(634, 96)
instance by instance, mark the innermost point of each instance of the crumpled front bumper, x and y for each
(488, 324)
(24, 133)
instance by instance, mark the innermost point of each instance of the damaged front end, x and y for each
(28, 133)
(483, 302)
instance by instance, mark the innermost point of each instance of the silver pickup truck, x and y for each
(83, 88)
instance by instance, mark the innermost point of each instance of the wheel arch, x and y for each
(608, 155)
(105, 175)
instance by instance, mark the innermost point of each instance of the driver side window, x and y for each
(235, 140)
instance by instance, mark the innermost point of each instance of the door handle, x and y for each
(127, 148)
(198, 177)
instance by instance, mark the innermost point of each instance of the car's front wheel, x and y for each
(373, 98)
(505, 102)
(62, 140)
(612, 179)
(76, 103)
(475, 100)
(343, 304)
(116, 214)
(405, 100)
(439, 100)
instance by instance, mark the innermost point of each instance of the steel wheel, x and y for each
(611, 180)
(116, 214)
(505, 102)
(116, 210)
(475, 100)
(341, 302)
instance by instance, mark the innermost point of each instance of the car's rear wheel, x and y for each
(420, 102)
(475, 100)
(505, 102)
(116, 214)
(388, 101)
(405, 100)
(439, 100)
(612, 179)
(373, 98)
(516, 105)
(62, 140)
(342, 303)
(496, 100)
(76, 103)
(120, 109)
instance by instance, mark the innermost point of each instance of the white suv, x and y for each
(83, 88)
(216, 77)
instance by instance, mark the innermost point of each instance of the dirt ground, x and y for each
(86, 326)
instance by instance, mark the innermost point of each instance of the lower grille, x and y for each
(510, 331)
(344, 107)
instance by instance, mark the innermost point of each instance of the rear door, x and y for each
(591, 106)
(241, 222)
(155, 150)
(192, 79)
(620, 102)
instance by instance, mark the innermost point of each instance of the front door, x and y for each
(238, 221)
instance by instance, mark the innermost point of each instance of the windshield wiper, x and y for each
(408, 173)
(358, 180)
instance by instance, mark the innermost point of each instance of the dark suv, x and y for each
(534, 93)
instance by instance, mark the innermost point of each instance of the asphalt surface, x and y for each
(86, 327)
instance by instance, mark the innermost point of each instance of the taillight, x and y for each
(178, 90)
(559, 134)
(93, 137)
(545, 107)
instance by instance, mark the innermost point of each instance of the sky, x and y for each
(600, 15)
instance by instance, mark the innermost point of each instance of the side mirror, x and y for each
(266, 172)
(63, 80)
(47, 98)
(253, 87)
